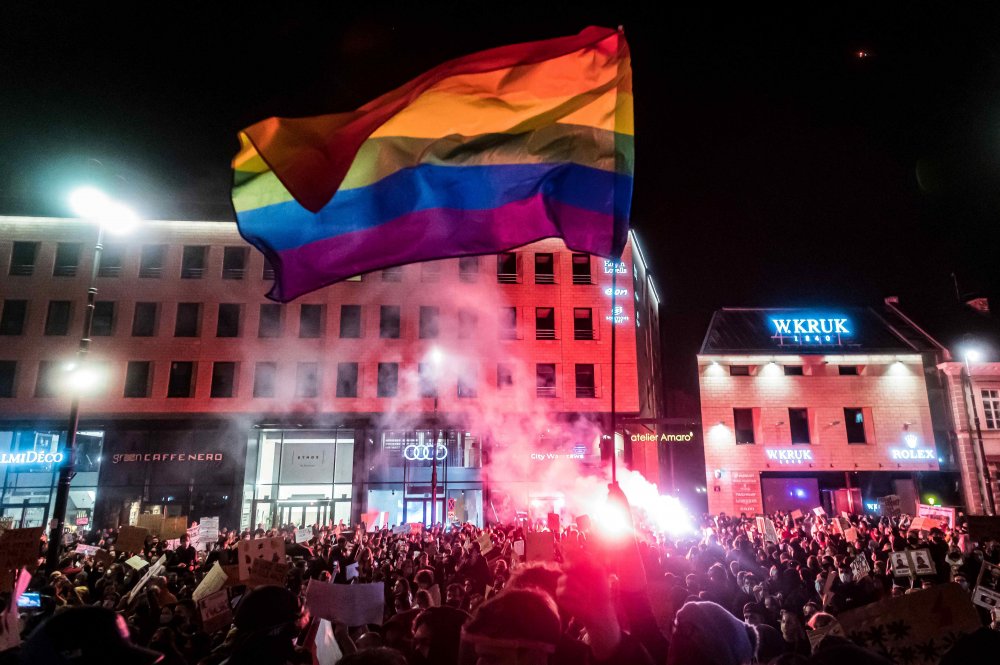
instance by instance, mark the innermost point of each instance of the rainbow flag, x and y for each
(479, 155)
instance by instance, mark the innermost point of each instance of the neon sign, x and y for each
(912, 454)
(810, 330)
(609, 267)
(31, 457)
(166, 457)
(662, 437)
(789, 456)
(617, 315)
(615, 292)
(420, 452)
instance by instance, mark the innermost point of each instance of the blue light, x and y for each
(801, 493)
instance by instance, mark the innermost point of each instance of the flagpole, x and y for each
(614, 414)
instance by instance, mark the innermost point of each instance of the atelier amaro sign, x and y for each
(663, 438)
(165, 457)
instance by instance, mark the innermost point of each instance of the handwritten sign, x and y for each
(131, 539)
(152, 523)
(214, 580)
(209, 530)
(154, 570)
(173, 527)
(796, 514)
(215, 611)
(819, 512)
(937, 513)
(860, 567)
(518, 546)
(272, 549)
(890, 505)
(264, 572)
(485, 544)
(20, 547)
(351, 604)
(303, 535)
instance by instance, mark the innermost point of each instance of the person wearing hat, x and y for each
(84, 636)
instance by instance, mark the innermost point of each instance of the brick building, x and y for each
(216, 401)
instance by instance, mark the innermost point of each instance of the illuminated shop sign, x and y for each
(616, 292)
(663, 437)
(609, 267)
(31, 457)
(811, 330)
(789, 456)
(416, 452)
(553, 456)
(125, 458)
(617, 315)
(912, 454)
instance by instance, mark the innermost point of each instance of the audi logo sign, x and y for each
(416, 452)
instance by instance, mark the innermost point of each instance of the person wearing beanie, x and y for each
(706, 634)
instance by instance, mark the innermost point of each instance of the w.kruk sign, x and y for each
(809, 330)
(789, 455)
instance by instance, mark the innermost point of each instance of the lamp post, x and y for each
(971, 356)
(436, 358)
(94, 205)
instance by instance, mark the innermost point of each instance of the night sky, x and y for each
(774, 165)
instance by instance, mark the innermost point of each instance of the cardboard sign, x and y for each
(912, 562)
(796, 514)
(351, 572)
(400, 529)
(890, 505)
(518, 546)
(539, 546)
(150, 522)
(816, 636)
(851, 535)
(272, 549)
(937, 513)
(860, 566)
(215, 611)
(303, 535)
(819, 512)
(264, 572)
(209, 530)
(351, 604)
(103, 558)
(131, 539)
(214, 580)
(86, 550)
(983, 528)
(173, 527)
(20, 548)
(416, 528)
(154, 570)
(987, 591)
(137, 562)
(485, 544)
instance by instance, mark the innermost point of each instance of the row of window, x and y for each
(139, 374)
(747, 425)
(790, 370)
(311, 320)
(194, 259)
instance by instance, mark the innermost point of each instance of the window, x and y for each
(144, 319)
(270, 320)
(193, 262)
(228, 324)
(739, 370)
(223, 379)
(743, 424)
(263, 379)
(468, 268)
(545, 323)
(847, 370)
(792, 370)
(430, 271)
(350, 321)
(545, 269)
(581, 269)
(103, 323)
(428, 380)
(307, 380)
(583, 323)
(67, 259)
(111, 261)
(8, 372)
(151, 261)
(991, 408)
(508, 323)
(268, 271)
(585, 381)
(137, 376)
(468, 321)
(388, 379)
(505, 376)
(854, 420)
(798, 422)
(311, 321)
(46, 384)
(545, 380)
(22, 259)
(468, 380)
(347, 379)
(388, 324)
(13, 316)
(429, 328)
(234, 262)
(394, 274)
(507, 268)
(188, 319)
(57, 319)
(181, 379)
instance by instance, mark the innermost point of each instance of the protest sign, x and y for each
(817, 636)
(154, 570)
(152, 523)
(912, 562)
(264, 572)
(352, 604)
(214, 580)
(860, 566)
(922, 524)
(172, 544)
(400, 529)
(86, 550)
(327, 650)
(194, 536)
(272, 549)
(215, 611)
(539, 546)
(983, 528)
(987, 591)
(209, 530)
(303, 535)
(819, 512)
(796, 514)
(371, 520)
(765, 526)
(518, 547)
(851, 535)
(937, 513)
(485, 544)
(351, 572)
(232, 575)
(103, 558)
(10, 627)
(416, 528)
(20, 547)
(173, 527)
(137, 562)
(914, 629)
(890, 505)
(131, 539)
(828, 587)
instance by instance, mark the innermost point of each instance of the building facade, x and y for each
(208, 399)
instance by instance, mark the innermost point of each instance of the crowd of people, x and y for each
(732, 592)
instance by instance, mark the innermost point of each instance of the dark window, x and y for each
(743, 424)
(854, 419)
(46, 384)
(429, 317)
(585, 381)
(847, 370)
(311, 321)
(388, 323)
(428, 380)
(12, 319)
(545, 323)
(57, 319)
(507, 268)
(581, 269)
(151, 261)
(144, 319)
(270, 321)
(508, 323)
(103, 323)
(188, 319)
(394, 274)
(468, 268)
(307, 380)
(545, 269)
(798, 421)
(739, 370)
(137, 378)
(347, 379)
(193, 262)
(350, 321)
(545, 380)
(583, 323)
(793, 370)
(467, 383)
(263, 379)
(234, 262)
(430, 271)
(111, 261)
(388, 379)
(268, 272)
(67, 259)
(22, 258)
(8, 372)
(505, 376)
(181, 379)
(228, 324)
(223, 379)
(468, 321)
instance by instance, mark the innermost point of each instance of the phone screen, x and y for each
(29, 600)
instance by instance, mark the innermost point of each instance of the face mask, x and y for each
(819, 587)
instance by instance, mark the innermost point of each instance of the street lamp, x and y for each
(971, 356)
(93, 205)
(437, 358)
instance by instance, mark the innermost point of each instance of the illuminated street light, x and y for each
(93, 204)
(972, 355)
